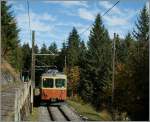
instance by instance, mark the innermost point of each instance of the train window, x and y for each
(48, 82)
(60, 83)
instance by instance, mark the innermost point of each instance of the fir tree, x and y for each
(132, 83)
(11, 49)
(26, 59)
(98, 63)
(60, 59)
(142, 26)
(52, 49)
(139, 64)
(72, 48)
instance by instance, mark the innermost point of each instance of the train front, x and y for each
(53, 87)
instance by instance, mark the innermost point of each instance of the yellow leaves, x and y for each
(73, 74)
(120, 67)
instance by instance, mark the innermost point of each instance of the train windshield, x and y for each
(48, 82)
(60, 83)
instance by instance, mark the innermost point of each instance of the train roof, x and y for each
(58, 75)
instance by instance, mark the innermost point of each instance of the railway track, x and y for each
(57, 112)
(62, 113)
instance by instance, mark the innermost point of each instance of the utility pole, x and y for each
(65, 63)
(33, 60)
(113, 74)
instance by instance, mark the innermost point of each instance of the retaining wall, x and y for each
(17, 102)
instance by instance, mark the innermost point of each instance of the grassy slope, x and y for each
(7, 68)
(34, 115)
(88, 111)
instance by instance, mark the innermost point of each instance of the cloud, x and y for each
(118, 20)
(48, 17)
(37, 21)
(107, 5)
(69, 13)
(86, 14)
(69, 3)
(42, 17)
(69, 24)
(19, 7)
(80, 14)
(75, 3)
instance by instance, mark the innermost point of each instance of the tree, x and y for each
(11, 49)
(43, 59)
(74, 77)
(142, 26)
(26, 59)
(98, 62)
(36, 49)
(52, 49)
(72, 48)
(60, 59)
(139, 69)
(132, 83)
(72, 56)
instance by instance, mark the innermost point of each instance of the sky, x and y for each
(54, 20)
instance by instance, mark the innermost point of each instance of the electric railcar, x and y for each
(53, 86)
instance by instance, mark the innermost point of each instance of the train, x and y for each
(53, 86)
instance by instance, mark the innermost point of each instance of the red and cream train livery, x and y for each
(53, 86)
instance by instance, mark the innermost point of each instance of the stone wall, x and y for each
(16, 95)
(17, 102)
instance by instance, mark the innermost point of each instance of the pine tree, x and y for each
(26, 60)
(139, 64)
(11, 49)
(72, 48)
(132, 83)
(36, 49)
(142, 26)
(60, 59)
(43, 59)
(52, 49)
(9, 38)
(98, 63)
(72, 55)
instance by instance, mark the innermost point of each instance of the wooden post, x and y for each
(33, 60)
(65, 65)
(113, 74)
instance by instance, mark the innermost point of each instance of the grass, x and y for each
(88, 111)
(5, 66)
(34, 115)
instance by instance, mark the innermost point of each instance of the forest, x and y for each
(89, 65)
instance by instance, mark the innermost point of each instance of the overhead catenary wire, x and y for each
(41, 62)
(111, 8)
(102, 16)
(28, 7)
(29, 20)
